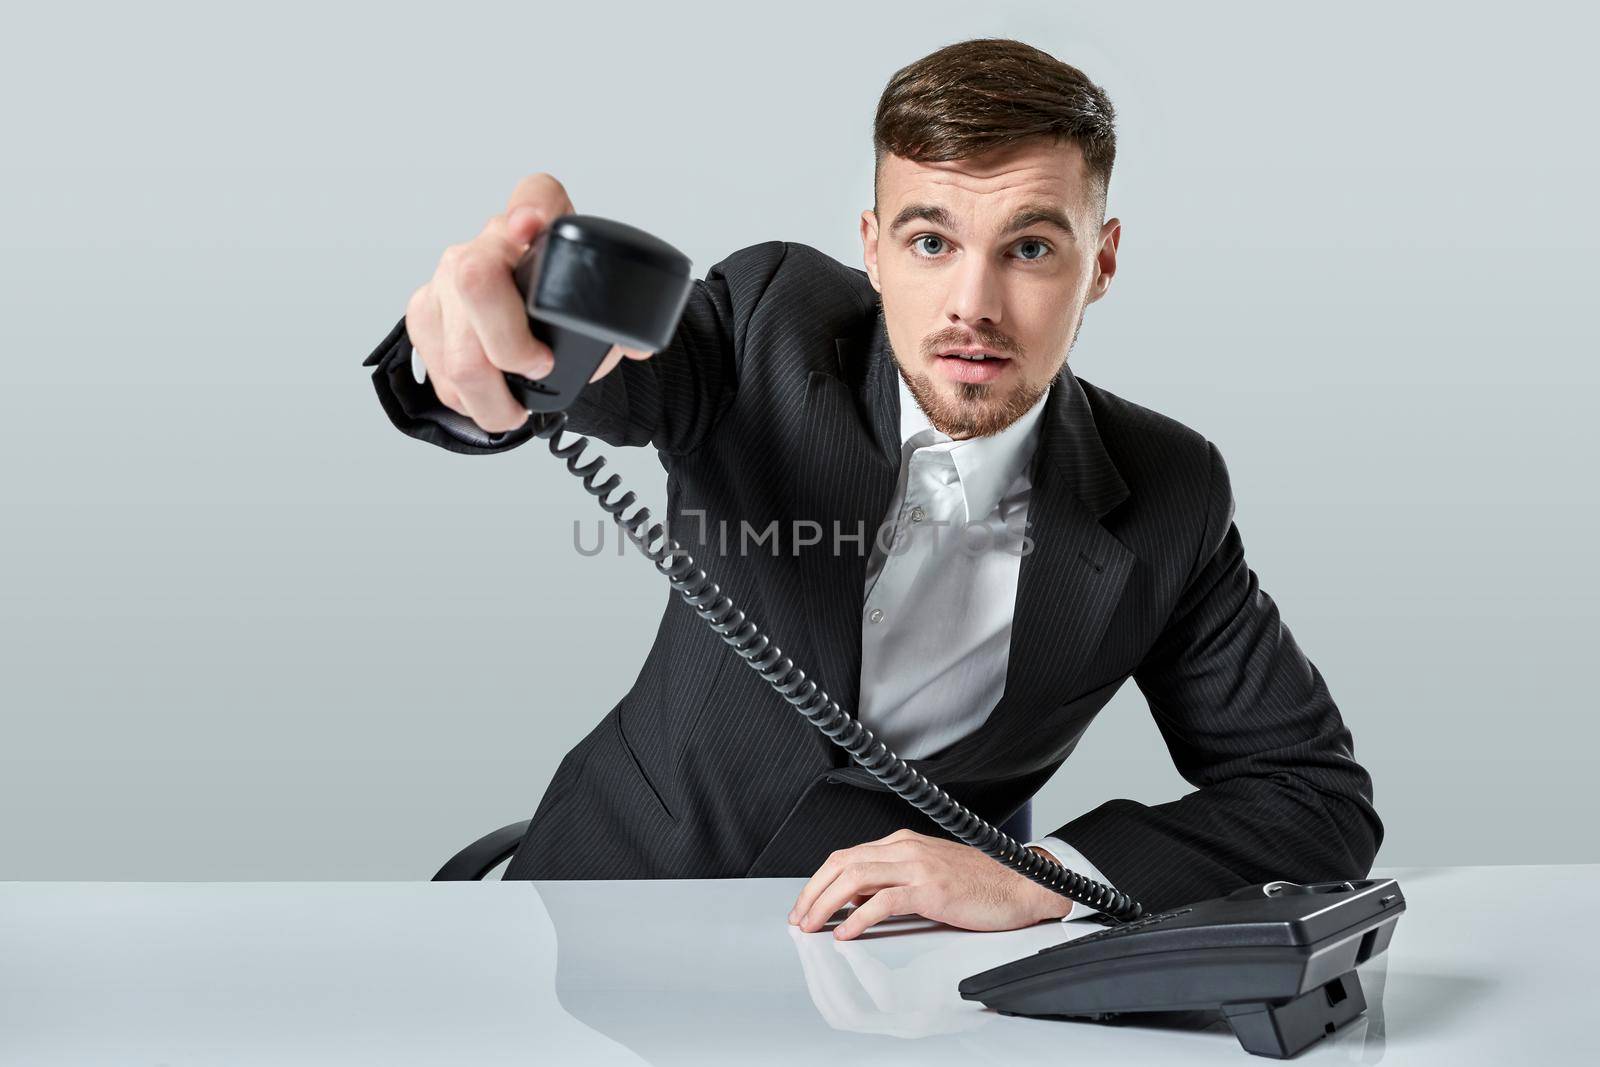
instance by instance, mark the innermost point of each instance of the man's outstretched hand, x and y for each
(908, 873)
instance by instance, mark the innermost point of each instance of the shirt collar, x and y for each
(985, 466)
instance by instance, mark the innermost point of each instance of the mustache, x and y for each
(943, 342)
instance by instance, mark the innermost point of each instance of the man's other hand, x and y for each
(908, 873)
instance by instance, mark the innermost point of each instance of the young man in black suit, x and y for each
(930, 391)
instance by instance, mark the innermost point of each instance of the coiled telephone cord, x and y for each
(766, 659)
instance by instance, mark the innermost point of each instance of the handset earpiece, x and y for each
(589, 283)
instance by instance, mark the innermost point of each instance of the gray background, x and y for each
(248, 630)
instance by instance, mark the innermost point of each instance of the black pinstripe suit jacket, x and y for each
(777, 401)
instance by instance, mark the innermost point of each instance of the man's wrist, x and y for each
(1053, 905)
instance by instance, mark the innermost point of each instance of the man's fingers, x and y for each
(613, 357)
(872, 850)
(819, 881)
(485, 395)
(507, 236)
(522, 225)
(449, 397)
(425, 328)
(911, 874)
(890, 902)
(536, 202)
(543, 193)
(853, 880)
(482, 388)
(496, 312)
(617, 354)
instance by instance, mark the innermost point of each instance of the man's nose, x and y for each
(975, 295)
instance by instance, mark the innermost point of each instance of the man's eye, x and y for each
(1041, 250)
(1044, 249)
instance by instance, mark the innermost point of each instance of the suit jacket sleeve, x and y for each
(1248, 720)
(671, 400)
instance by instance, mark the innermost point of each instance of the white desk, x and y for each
(696, 972)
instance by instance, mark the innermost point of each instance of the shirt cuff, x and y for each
(1072, 860)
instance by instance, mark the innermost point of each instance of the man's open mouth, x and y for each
(974, 355)
(972, 366)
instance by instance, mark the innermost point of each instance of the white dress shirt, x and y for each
(941, 588)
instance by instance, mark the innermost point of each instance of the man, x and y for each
(808, 402)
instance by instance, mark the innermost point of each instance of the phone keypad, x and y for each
(1126, 928)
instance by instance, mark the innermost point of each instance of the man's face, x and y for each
(962, 260)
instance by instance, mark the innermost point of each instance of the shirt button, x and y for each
(917, 514)
(876, 614)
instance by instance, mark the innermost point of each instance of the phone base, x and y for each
(1279, 1029)
(1282, 1029)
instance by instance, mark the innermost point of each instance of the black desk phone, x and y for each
(1277, 960)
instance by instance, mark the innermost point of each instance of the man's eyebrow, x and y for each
(1029, 215)
(1040, 214)
(931, 212)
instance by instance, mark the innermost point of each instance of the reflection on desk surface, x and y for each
(694, 971)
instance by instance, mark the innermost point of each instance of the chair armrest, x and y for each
(475, 861)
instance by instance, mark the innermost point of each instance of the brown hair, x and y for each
(992, 92)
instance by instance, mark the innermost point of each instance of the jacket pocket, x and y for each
(638, 767)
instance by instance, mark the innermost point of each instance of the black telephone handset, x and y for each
(589, 283)
(1277, 959)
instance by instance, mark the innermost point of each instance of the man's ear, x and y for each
(1105, 259)
(869, 246)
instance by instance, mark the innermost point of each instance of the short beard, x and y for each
(976, 413)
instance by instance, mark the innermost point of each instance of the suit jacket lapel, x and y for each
(846, 472)
(1070, 582)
